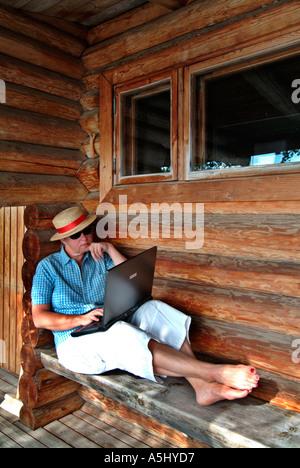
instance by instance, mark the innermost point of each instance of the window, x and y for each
(145, 147)
(245, 118)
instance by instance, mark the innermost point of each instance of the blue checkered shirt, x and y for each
(58, 281)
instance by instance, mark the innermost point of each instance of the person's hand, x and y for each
(91, 317)
(97, 250)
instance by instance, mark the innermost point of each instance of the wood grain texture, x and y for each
(220, 425)
(26, 189)
(11, 285)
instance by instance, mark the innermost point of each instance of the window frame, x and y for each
(218, 70)
(268, 50)
(142, 85)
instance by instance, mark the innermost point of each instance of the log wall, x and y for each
(242, 286)
(40, 133)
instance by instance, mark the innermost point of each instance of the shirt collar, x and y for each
(64, 257)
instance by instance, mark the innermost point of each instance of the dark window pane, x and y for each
(249, 118)
(146, 131)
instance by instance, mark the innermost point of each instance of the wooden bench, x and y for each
(248, 423)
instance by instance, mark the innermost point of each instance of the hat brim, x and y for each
(89, 220)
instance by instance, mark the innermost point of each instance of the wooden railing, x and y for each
(11, 286)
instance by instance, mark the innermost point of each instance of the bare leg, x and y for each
(211, 383)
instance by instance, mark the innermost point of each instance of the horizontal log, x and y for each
(232, 250)
(34, 395)
(134, 417)
(35, 418)
(19, 46)
(26, 302)
(259, 230)
(172, 4)
(28, 127)
(89, 121)
(248, 38)
(273, 389)
(91, 80)
(271, 188)
(28, 272)
(173, 26)
(24, 189)
(25, 74)
(37, 245)
(233, 273)
(90, 100)
(36, 159)
(262, 311)
(21, 97)
(35, 337)
(129, 20)
(91, 149)
(88, 174)
(73, 29)
(231, 208)
(267, 237)
(278, 391)
(31, 359)
(40, 31)
(29, 331)
(91, 202)
(40, 216)
(253, 208)
(266, 350)
(276, 232)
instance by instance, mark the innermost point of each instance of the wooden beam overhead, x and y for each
(172, 4)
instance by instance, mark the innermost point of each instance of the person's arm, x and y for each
(97, 250)
(43, 317)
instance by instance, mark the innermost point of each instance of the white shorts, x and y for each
(125, 345)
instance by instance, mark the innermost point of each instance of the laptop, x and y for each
(128, 286)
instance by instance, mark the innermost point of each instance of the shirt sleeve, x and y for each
(108, 262)
(42, 286)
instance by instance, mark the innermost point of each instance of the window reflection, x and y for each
(247, 118)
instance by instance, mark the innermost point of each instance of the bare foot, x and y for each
(210, 393)
(238, 377)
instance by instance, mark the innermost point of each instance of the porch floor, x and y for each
(90, 427)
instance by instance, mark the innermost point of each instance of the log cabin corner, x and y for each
(142, 103)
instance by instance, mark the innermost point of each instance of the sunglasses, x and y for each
(86, 232)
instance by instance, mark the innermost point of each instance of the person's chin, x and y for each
(85, 248)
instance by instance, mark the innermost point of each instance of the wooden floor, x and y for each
(89, 427)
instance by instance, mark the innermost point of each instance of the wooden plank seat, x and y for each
(248, 423)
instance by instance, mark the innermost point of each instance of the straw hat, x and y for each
(70, 221)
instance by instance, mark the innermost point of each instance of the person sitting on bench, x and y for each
(68, 289)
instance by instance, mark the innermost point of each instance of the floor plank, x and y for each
(69, 435)
(17, 435)
(114, 438)
(138, 433)
(90, 427)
